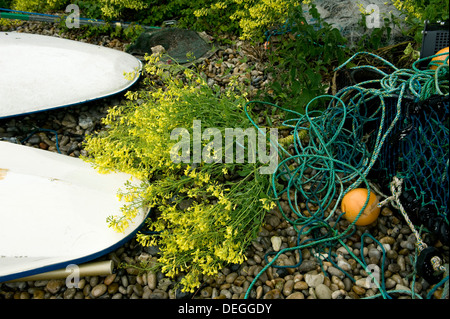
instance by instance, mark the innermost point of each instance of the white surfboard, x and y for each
(53, 211)
(43, 72)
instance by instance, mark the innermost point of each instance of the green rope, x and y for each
(338, 156)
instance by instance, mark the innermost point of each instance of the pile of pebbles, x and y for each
(314, 278)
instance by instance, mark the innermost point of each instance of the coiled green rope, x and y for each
(338, 155)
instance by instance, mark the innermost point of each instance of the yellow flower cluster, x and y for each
(408, 6)
(201, 224)
(212, 229)
(112, 8)
(257, 16)
(254, 16)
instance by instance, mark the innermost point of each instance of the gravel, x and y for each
(312, 279)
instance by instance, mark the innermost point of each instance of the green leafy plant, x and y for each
(5, 4)
(301, 60)
(40, 6)
(415, 12)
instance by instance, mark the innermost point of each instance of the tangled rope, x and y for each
(330, 157)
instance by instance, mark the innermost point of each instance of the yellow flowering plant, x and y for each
(203, 215)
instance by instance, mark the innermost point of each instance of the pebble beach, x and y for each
(314, 278)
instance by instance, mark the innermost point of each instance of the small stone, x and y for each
(300, 285)
(151, 280)
(164, 284)
(386, 211)
(394, 268)
(374, 253)
(323, 292)
(296, 295)
(138, 290)
(147, 292)
(24, 295)
(279, 283)
(109, 279)
(387, 247)
(17, 285)
(133, 271)
(257, 246)
(117, 296)
(220, 279)
(43, 145)
(273, 221)
(206, 292)
(273, 294)
(345, 266)
(387, 240)
(358, 290)
(288, 287)
(226, 293)
(397, 278)
(158, 294)
(231, 277)
(338, 282)
(158, 49)
(69, 121)
(401, 262)
(98, 290)
(335, 272)
(239, 281)
(54, 286)
(113, 288)
(437, 294)
(276, 242)
(69, 293)
(85, 122)
(347, 283)
(307, 265)
(38, 294)
(314, 280)
(343, 251)
(338, 294)
(41, 283)
(402, 287)
(35, 139)
(124, 281)
(363, 282)
(392, 254)
(259, 292)
(94, 281)
(87, 290)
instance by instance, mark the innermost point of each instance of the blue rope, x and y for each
(336, 152)
(44, 130)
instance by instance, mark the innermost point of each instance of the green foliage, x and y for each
(377, 37)
(206, 214)
(115, 8)
(249, 19)
(90, 9)
(5, 4)
(303, 59)
(433, 10)
(39, 5)
(252, 17)
(417, 11)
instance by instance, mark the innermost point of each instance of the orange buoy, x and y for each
(437, 61)
(353, 202)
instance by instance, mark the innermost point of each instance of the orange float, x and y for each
(353, 202)
(437, 61)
